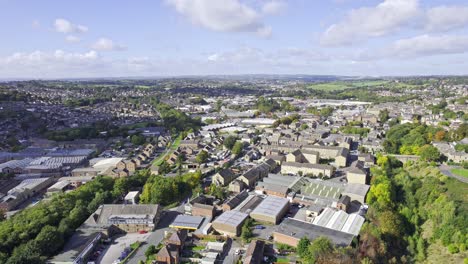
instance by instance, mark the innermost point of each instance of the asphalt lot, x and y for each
(156, 236)
(113, 251)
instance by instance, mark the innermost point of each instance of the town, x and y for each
(242, 169)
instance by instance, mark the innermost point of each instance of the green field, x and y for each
(460, 172)
(340, 85)
(173, 147)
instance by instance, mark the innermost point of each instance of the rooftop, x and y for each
(187, 222)
(299, 229)
(233, 218)
(271, 206)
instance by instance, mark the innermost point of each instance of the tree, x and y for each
(303, 247)
(237, 148)
(390, 223)
(229, 142)
(320, 246)
(49, 240)
(440, 135)
(429, 153)
(384, 115)
(247, 234)
(138, 140)
(202, 157)
(150, 251)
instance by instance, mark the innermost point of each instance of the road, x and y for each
(156, 236)
(445, 169)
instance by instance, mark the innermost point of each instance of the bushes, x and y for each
(404, 202)
(41, 230)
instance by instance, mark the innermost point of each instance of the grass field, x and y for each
(173, 147)
(460, 172)
(339, 86)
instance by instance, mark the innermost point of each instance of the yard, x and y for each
(460, 172)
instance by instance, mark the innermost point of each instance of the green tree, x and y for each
(138, 140)
(303, 247)
(150, 251)
(384, 115)
(229, 142)
(246, 233)
(202, 157)
(49, 240)
(429, 153)
(237, 148)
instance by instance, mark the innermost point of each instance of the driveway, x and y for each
(118, 245)
(154, 237)
(445, 169)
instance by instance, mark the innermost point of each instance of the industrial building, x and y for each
(271, 209)
(187, 222)
(230, 223)
(125, 217)
(356, 191)
(340, 221)
(290, 231)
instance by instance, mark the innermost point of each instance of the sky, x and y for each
(149, 38)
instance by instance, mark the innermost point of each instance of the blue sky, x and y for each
(66, 39)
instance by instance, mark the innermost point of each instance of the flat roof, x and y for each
(232, 218)
(187, 222)
(356, 188)
(340, 221)
(271, 206)
(299, 229)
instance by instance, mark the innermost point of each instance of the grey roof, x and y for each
(340, 221)
(236, 200)
(299, 229)
(105, 211)
(232, 218)
(308, 165)
(13, 164)
(271, 206)
(273, 187)
(187, 221)
(356, 188)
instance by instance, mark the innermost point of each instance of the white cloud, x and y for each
(221, 15)
(247, 57)
(105, 44)
(72, 39)
(445, 18)
(417, 47)
(64, 26)
(273, 7)
(426, 45)
(366, 22)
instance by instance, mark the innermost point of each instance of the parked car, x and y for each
(142, 232)
(259, 227)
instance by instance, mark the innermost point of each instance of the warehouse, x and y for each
(356, 191)
(290, 231)
(295, 168)
(271, 210)
(230, 223)
(188, 222)
(340, 221)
